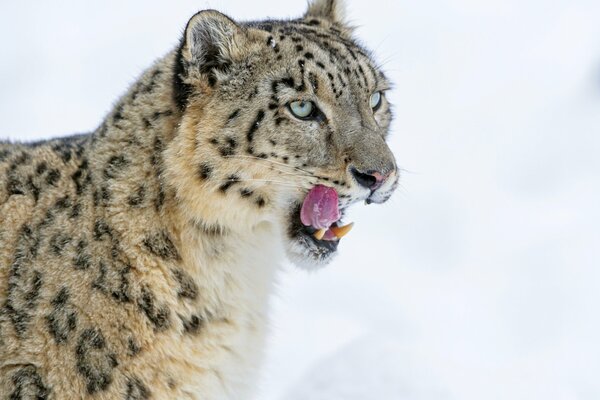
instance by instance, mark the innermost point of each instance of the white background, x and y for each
(480, 279)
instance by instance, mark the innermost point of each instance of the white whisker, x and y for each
(307, 173)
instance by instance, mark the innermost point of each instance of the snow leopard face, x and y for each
(278, 107)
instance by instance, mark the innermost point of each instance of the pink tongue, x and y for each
(320, 207)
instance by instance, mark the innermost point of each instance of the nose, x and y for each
(371, 180)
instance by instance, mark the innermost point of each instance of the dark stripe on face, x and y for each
(233, 115)
(255, 125)
(314, 82)
(302, 86)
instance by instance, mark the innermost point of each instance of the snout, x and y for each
(374, 168)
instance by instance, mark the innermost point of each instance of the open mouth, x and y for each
(315, 225)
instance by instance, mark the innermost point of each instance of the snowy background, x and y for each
(480, 279)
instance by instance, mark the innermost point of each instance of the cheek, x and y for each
(308, 147)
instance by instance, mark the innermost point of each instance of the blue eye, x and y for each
(375, 100)
(302, 109)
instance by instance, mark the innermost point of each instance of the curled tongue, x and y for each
(320, 211)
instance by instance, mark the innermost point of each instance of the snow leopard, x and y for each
(137, 261)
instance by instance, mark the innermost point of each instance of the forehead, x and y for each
(326, 47)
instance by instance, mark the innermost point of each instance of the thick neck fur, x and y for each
(143, 160)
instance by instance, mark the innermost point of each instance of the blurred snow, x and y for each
(480, 278)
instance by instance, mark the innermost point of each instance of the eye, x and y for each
(302, 109)
(375, 100)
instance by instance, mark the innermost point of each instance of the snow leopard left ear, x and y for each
(212, 40)
(211, 43)
(333, 10)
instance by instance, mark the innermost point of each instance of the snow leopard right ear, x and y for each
(211, 43)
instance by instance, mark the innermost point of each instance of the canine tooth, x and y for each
(319, 234)
(341, 231)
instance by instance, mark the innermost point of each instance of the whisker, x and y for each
(273, 162)
(270, 181)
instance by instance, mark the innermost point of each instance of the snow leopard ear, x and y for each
(212, 41)
(210, 44)
(333, 10)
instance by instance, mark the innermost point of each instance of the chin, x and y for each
(303, 249)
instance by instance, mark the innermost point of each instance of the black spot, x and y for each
(228, 149)
(53, 177)
(114, 166)
(314, 22)
(320, 65)
(101, 196)
(159, 316)
(35, 191)
(58, 242)
(82, 177)
(136, 390)
(63, 203)
(159, 114)
(137, 198)
(233, 115)
(24, 281)
(259, 117)
(118, 115)
(102, 229)
(299, 48)
(41, 168)
(94, 361)
(62, 321)
(133, 348)
(260, 202)
(76, 210)
(314, 82)
(231, 180)
(160, 244)
(63, 150)
(187, 287)
(192, 325)
(204, 171)
(4, 155)
(82, 259)
(308, 55)
(28, 384)
(113, 280)
(279, 120)
(245, 192)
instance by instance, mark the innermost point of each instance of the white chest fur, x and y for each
(236, 279)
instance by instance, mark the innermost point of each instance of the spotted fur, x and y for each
(136, 261)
